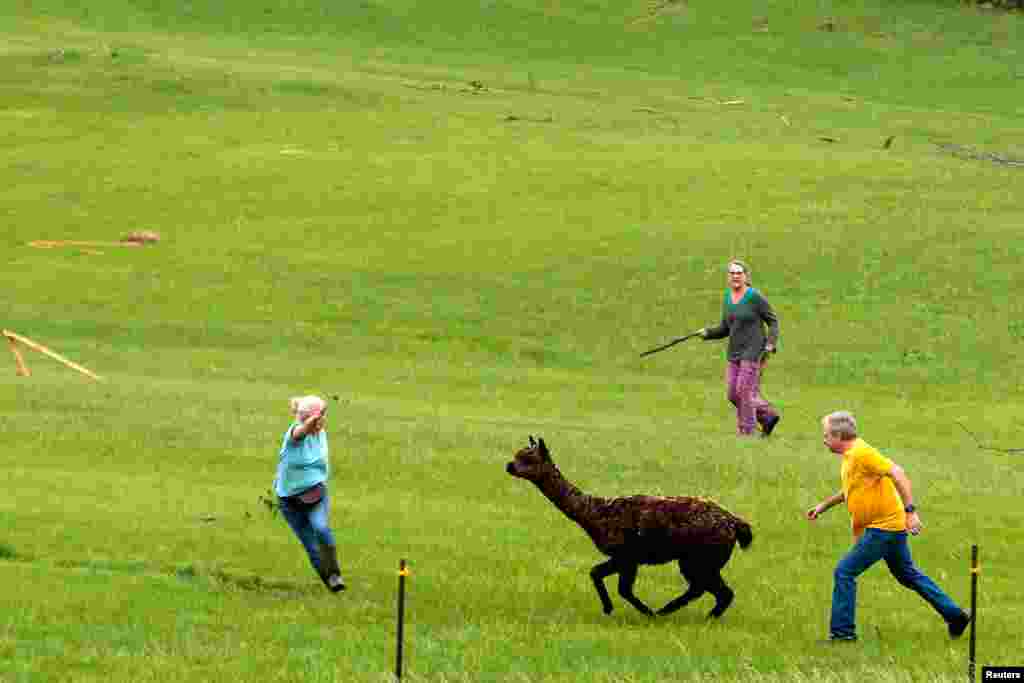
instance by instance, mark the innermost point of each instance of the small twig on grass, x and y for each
(532, 119)
(1007, 451)
(270, 501)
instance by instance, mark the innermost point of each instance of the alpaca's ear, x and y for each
(544, 450)
(532, 442)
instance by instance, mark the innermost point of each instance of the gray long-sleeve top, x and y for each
(743, 323)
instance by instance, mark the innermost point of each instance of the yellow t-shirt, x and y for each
(871, 497)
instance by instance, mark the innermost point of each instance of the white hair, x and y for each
(304, 406)
(842, 424)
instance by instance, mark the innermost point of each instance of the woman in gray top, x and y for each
(745, 313)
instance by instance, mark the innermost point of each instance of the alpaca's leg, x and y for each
(627, 577)
(598, 574)
(723, 596)
(691, 594)
(693, 591)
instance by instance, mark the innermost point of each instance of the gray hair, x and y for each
(744, 266)
(842, 424)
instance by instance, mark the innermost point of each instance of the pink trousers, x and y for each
(744, 381)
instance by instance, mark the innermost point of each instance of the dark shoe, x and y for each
(329, 570)
(769, 425)
(957, 627)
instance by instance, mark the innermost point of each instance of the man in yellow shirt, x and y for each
(878, 495)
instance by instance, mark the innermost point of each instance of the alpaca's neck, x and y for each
(566, 497)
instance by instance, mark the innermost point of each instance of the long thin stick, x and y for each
(1008, 451)
(402, 573)
(669, 345)
(19, 361)
(51, 244)
(25, 341)
(975, 569)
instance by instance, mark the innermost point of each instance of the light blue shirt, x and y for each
(303, 463)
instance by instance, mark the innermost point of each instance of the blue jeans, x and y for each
(309, 522)
(873, 546)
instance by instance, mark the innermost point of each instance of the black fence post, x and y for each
(402, 573)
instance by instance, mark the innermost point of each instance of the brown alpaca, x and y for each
(696, 532)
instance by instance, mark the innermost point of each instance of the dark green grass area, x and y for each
(857, 46)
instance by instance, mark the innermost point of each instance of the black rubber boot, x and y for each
(330, 573)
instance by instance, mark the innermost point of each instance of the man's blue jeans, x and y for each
(891, 546)
(309, 522)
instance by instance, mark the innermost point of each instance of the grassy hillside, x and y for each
(467, 222)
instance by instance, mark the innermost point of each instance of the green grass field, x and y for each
(467, 220)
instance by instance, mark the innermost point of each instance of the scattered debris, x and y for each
(53, 244)
(888, 142)
(62, 55)
(547, 119)
(785, 121)
(141, 237)
(825, 138)
(660, 8)
(132, 239)
(962, 152)
(473, 87)
(269, 501)
(15, 339)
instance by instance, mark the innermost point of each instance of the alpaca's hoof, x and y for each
(607, 609)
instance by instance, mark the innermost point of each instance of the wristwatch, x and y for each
(910, 508)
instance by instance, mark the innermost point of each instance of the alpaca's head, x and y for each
(531, 462)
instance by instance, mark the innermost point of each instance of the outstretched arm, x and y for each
(719, 331)
(824, 505)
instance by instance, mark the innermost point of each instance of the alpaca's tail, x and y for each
(744, 534)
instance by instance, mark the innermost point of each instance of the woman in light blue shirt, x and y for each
(301, 487)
